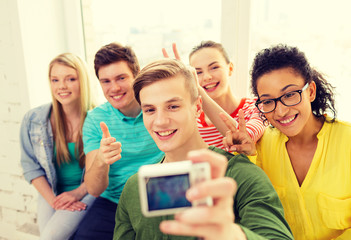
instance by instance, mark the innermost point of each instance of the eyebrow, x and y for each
(118, 76)
(209, 65)
(282, 90)
(172, 100)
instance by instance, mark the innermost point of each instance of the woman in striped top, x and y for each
(214, 69)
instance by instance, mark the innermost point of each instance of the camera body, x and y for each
(162, 187)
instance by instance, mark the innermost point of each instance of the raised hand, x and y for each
(110, 150)
(209, 223)
(175, 52)
(238, 140)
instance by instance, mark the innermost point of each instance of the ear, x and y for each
(198, 106)
(312, 90)
(231, 68)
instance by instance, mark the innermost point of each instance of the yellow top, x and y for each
(321, 207)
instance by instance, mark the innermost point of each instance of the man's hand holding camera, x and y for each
(217, 221)
(110, 150)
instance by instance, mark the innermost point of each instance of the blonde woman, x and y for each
(52, 154)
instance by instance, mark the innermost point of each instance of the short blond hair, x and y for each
(165, 69)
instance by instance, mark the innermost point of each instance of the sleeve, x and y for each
(345, 236)
(92, 134)
(123, 227)
(29, 162)
(257, 207)
(254, 123)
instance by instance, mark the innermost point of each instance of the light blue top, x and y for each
(138, 148)
(36, 140)
(68, 174)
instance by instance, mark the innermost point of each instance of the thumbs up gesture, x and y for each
(110, 150)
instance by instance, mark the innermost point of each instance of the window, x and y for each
(321, 29)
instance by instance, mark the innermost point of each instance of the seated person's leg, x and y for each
(99, 222)
(64, 223)
(45, 212)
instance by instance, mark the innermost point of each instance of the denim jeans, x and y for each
(99, 222)
(59, 224)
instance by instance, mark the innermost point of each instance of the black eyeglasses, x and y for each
(288, 99)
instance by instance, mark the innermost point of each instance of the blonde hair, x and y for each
(86, 103)
(165, 69)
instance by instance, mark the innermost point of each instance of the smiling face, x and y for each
(289, 120)
(64, 84)
(212, 71)
(169, 114)
(116, 80)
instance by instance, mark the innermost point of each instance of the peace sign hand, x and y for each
(238, 140)
(175, 52)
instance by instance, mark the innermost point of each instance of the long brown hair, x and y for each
(86, 103)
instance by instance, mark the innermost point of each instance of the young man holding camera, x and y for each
(170, 103)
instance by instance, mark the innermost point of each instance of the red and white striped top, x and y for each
(254, 124)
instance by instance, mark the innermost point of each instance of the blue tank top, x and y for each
(68, 174)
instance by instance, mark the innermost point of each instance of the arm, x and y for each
(43, 187)
(346, 235)
(258, 208)
(210, 107)
(98, 163)
(123, 227)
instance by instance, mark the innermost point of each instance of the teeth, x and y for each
(165, 133)
(117, 97)
(63, 94)
(211, 86)
(287, 120)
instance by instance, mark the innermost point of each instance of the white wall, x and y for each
(31, 34)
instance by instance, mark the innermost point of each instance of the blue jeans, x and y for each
(59, 224)
(99, 223)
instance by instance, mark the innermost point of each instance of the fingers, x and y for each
(104, 129)
(109, 148)
(217, 161)
(229, 122)
(242, 123)
(214, 222)
(215, 188)
(175, 51)
(164, 52)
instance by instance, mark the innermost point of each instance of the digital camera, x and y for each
(162, 187)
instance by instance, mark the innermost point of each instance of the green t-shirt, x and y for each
(69, 175)
(257, 207)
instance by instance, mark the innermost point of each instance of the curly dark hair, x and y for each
(283, 56)
(115, 52)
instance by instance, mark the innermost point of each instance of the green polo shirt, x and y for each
(257, 207)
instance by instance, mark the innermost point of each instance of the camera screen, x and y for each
(167, 192)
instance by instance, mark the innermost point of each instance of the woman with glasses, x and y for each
(306, 152)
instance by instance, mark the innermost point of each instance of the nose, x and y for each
(161, 118)
(207, 76)
(115, 86)
(281, 110)
(63, 85)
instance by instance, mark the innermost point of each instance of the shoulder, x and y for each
(340, 127)
(241, 169)
(38, 114)
(103, 108)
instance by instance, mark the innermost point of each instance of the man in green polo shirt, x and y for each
(170, 104)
